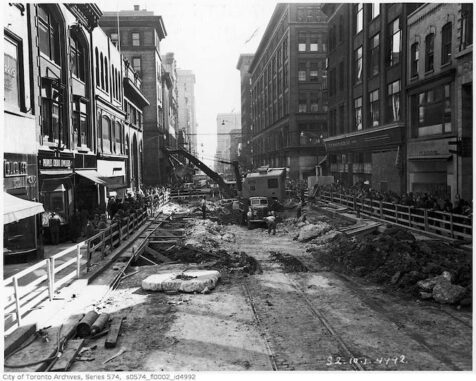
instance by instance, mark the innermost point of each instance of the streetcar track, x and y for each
(392, 316)
(271, 355)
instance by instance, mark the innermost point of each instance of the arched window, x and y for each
(77, 59)
(106, 134)
(106, 74)
(118, 138)
(48, 31)
(102, 71)
(98, 80)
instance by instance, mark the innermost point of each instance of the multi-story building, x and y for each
(367, 71)
(20, 138)
(226, 124)
(243, 65)
(171, 100)
(288, 87)
(64, 85)
(138, 34)
(439, 99)
(76, 107)
(134, 103)
(186, 109)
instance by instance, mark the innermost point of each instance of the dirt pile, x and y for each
(289, 263)
(396, 258)
(219, 260)
(207, 234)
(175, 208)
(310, 231)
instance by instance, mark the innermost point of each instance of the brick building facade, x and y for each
(439, 98)
(138, 34)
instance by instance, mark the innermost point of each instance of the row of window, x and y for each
(135, 39)
(108, 77)
(111, 137)
(358, 11)
(430, 111)
(311, 42)
(311, 70)
(311, 102)
(446, 39)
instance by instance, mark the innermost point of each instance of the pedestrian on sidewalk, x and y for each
(204, 208)
(271, 222)
(55, 223)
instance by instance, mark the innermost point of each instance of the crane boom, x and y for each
(225, 188)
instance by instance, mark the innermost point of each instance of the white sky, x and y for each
(207, 37)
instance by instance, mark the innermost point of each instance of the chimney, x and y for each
(136, 7)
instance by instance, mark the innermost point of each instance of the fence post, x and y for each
(380, 206)
(451, 225)
(409, 216)
(128, 228)
(78, 261)
(120, 232)
(396, 213)
(52, 266)
(17, 300)
(103, 244)
(425, 214)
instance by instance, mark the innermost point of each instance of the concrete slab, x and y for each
(187, 281)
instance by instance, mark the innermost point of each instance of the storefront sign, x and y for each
(368, 139)
(55, 163)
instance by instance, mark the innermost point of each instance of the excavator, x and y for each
(225, 188)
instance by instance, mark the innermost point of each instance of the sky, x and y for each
(207, 37)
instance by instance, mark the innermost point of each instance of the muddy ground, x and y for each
(278, 306)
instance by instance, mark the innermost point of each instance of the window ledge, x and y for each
(414, 77)
(429, 72)
(445, 65)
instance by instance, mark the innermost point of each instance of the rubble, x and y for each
(290, 263)
(397, 259)
(310, 231)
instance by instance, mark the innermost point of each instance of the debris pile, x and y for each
(310, 231)
(396, 258)
(192, 281)
(290, 263)
(206, 234)
(175, 208)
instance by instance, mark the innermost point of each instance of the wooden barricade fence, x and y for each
(456, 226)
(24, 291)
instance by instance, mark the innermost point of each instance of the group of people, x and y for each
(421, 200)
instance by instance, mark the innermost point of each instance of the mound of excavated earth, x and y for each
(187, 281)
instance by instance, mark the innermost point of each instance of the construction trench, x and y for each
(327, 292)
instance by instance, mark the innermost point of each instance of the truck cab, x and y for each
(257, 211)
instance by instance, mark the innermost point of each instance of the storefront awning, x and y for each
(16, 209)
(429, 157)
(114, 182)
(91, 175)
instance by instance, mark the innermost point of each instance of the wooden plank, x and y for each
(163, 242)
(69, 354)
(157, 255)
(40, 349)
(114, 330)
(17, 338)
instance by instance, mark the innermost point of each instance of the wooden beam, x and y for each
(157, 255)
(67, 358)
(17, 338)
(163, 242)
(148, 260)
(113, 335)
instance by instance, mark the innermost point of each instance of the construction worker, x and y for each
(271, 222)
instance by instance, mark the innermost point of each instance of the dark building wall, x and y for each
(288, 112)
(363, 116)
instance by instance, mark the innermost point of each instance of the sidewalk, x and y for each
(49, 250)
